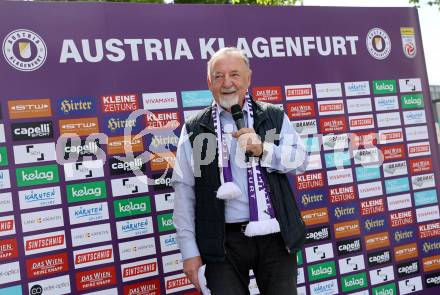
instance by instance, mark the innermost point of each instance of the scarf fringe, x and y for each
(262, 227)
(228, 191)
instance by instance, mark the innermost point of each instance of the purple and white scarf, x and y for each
(262, 215)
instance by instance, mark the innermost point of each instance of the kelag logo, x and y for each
(385, 289)
(29, 108)
(165, 222)
(32, 130)
(37, 175)
(132, 206)
(3, 156)
(412, 101)
(116, 124)
(24, 50)
(321, 271)
(86, 191)
(354, 282)
(384, 86)
(70, 106)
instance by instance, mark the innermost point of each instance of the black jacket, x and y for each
(209, 211)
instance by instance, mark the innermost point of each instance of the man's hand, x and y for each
(249, 141)
(191, 267)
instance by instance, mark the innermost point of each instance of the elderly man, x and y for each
(234, 209)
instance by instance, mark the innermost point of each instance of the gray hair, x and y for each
(225, 51)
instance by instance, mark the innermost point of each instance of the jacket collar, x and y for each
(259, 117)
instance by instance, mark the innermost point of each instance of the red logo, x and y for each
(418, 149)
(47, 265)
(391, 136)
(177, 283)
(6, 225)
(372, 206)
(163, 120)
(333, 124)
(429, 230)
(342, 194)
(401, 218)
(87, 257)
(393, 152)
(420, 165)
(8, 249)
(300, 109)
(139, 269)
(310, 180)
(46, 242)
(267, 94)
(363, 139)
(95, 278)
(143, 288)
(119, 103)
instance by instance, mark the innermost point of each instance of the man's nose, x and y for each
(227, 82)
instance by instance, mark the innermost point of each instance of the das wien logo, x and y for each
(24, 50)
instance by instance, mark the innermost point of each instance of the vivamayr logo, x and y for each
(24, 50)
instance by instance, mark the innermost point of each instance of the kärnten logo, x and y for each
(378, 43)
(24, 50)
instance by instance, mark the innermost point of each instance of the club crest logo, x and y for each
(378, 43)
(24, 50)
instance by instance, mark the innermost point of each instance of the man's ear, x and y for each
(249, 78)
(208, 79)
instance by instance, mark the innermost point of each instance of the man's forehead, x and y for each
(230, 57)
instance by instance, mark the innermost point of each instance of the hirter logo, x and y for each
(119, 103)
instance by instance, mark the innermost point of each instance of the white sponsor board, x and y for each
(164, 201)
(414, 117)
(416, 133)
(46, 242)
(91, 234)
(5, 181)
(324, 288)
(6, 202)
(326, 90)
(42, 220)
(137, 248)
(386, 103)
(160, 100)
(33, 153)
(93, 256)
(298, 92)
(410, 285)
(351, 264)
(330, 107)
(83, 170)
(395, 169)
(361, 122)
(423, 181)
(359, 105)
(134, 227)
(339, 176)
(88, 213)
(357, 88)
(366, 156)
(390, 136)
(305, 127)
(314, 162)
(388, 119)
(53, 286)
(381, 275)
(171, 263)
(335, 141)
(399, 202)
(419, 149)
(427, 213)
(7, 225)
(370, 189)
(39, 197)
(168, 243)
(410, 85)
(129, 185)
(319, 252)
(9, 272)
(139, 269)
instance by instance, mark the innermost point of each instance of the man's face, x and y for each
(229, 79)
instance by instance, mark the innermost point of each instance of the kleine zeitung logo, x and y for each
(24, 50)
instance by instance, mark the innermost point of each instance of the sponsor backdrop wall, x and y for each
(76, 218)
